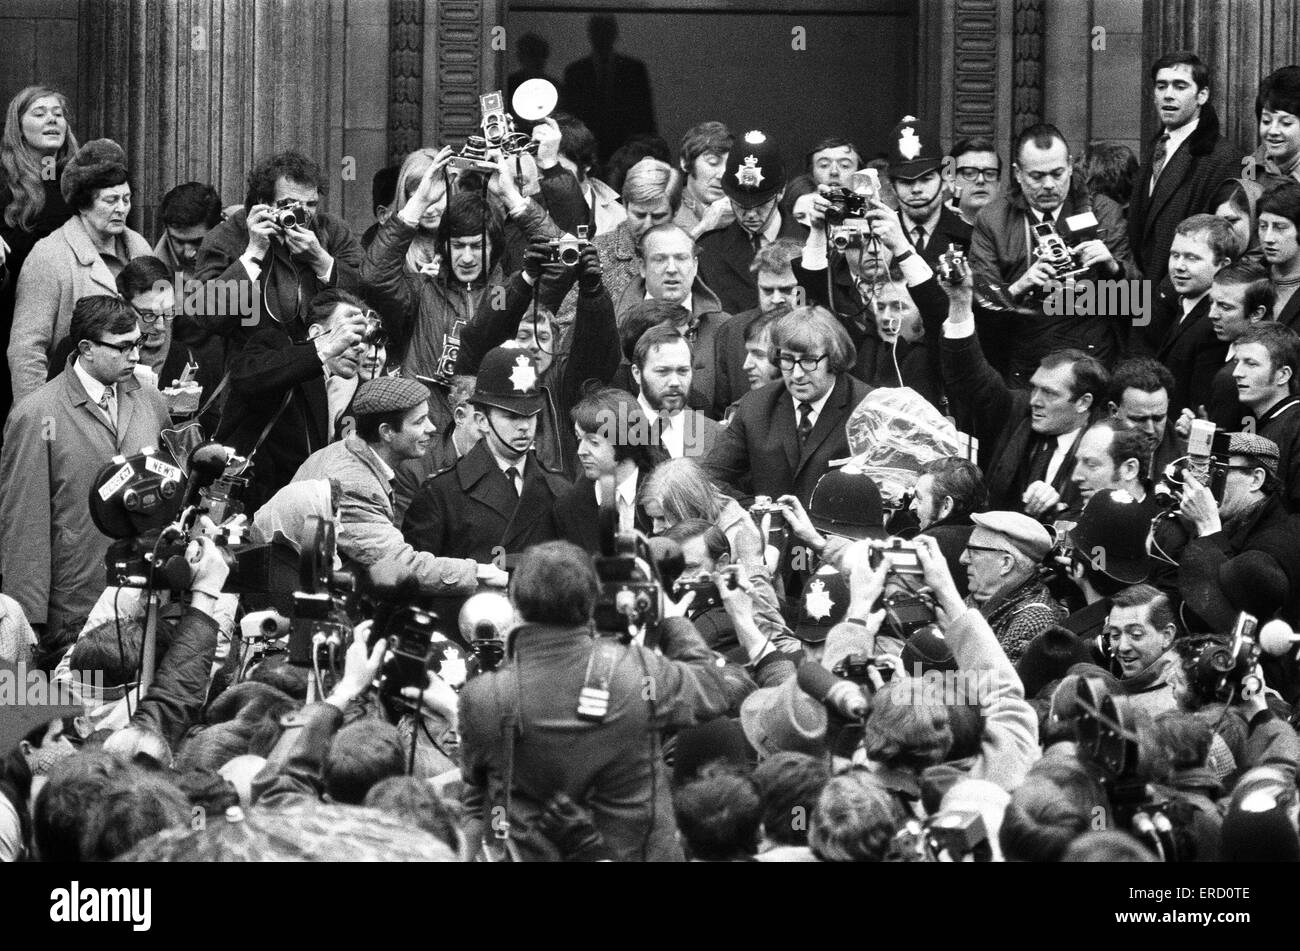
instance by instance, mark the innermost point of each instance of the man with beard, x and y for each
(948, 491)
(661, 368)
(754, 181)
(914, 173)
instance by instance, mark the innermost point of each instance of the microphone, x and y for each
(841, 696)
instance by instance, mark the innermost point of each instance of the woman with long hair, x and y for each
(678, 490)
(35, 147)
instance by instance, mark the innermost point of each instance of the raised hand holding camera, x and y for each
(261, 229)
(938, 577)
(1199, 507)
(360, 666)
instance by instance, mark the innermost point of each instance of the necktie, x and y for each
(756, 240)
(106, 404)
(513, 475)
(805, 422)
(1158, 158)
(1042, 458)
(918, 239)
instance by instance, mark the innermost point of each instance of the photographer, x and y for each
(286, 392)
(1237, 554)
(744, 622)
(522, 741)
(289, 266)
(392, 425)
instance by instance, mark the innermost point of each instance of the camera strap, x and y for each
(284, 404)
(497, 847)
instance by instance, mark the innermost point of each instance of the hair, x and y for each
(762, 324)
(112, 647)
(1200, 72)
(276, 671)
(131, 810)
(776, 257)
(902, 733)
(577, 143)
(1279, 91)
(649, 180)
(139, 741)
(975, 143)
(1179, 741)
(1214, 231)
(1089, 373)
(1128, 444)
(631, 152)
(715, 540)
(362, 754)
(100, 314)
(1281, 342)
(667, 227)
(790, 784)
(660, 335)
(414, 801)
(684, 490)
(643, 315)
(1259, 286)
(1139, 373)
(1232, 192)
(248, 695)
(321, 309)
(1055, 805)
(1111, 169)
(291, 165)
(555, 583)
(719, 815)
(617, 415)
(830, 142)
(67, 807)
(190, 204)
(383, 187)
(367, 424)
(855, 819)
(407, 177)
(1043, 134)
(141, 276)
(701, 139)
(1106, 845)
(808, 329)
(255, 730)
(1160, 611)
(1282, 200)
(468, 214)
(960, 480)
(20, 167)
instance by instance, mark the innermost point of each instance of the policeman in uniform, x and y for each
(915, 172)
(755, 182)
(498, 498)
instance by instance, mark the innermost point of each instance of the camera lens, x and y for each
(569, 256)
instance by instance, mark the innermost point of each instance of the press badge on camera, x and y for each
(593, 701)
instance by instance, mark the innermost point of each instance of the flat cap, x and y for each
(1030, 536)
(388, 394)
(1249, 444)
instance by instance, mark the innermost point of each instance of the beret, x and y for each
(90, 160)
(388, 394)
(1030, 536)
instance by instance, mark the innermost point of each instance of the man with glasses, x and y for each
(1015, 276)
(56, 441)
(1002, 559)
(975, 176)
(784, 435)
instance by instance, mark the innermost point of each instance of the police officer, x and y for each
(498, 498)
(915, 172)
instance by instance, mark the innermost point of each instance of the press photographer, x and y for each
(523, 739)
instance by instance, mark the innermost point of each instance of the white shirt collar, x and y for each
(816, 406)
(773, 228)
(625, 491)
(504, 464)
(1180, 135)
(688, 303)
(673, 434)
(94, 389)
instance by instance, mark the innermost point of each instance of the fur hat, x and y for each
(92, 159)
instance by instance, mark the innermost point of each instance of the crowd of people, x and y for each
(599, 445)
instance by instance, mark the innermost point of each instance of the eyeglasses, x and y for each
(808, 364)
(124, 347)
(153, 316)
(1000, 551)
(969, 173)
(1224, 467)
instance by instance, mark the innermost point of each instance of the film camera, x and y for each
(1207, 460)
(1052, 248)
(534, 99)
(955, 835)
(567, 250)
(1226, 672)
(290, 213)
(706, 587)
(854, 201)
(852, 233)
(900, 554)
(953, 267)
(153, 507)
(374, 334)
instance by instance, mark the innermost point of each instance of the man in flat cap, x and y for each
(754, 181)
(1002, 560)
(390, 422)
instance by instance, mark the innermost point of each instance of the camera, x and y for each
(953, 268)
(374, 334)
(706, 586)
(852, 233)
(905, 614)
(844, 204)
(953, 835)
(858, 667)
(567, 250)
(900, 554)
(1224, 671)
(1052, 248)
(289, 213)
(1207, 460)
(481, 152)
(410, 634)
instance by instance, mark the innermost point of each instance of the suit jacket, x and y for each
(759, 451)
(367, 534)
(1183, 189)
(1289, 315)
(949, 229)
(616, 111)
(268, 368)
(578, 516)
(411, 473)
(1189, 349)
(725, 257)
(730, 382)
(56, 441)
(62, 269)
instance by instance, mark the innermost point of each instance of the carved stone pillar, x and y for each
(199, 89)
(975, 68)
(405, 78)
(467, 40)
(1027, 95)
